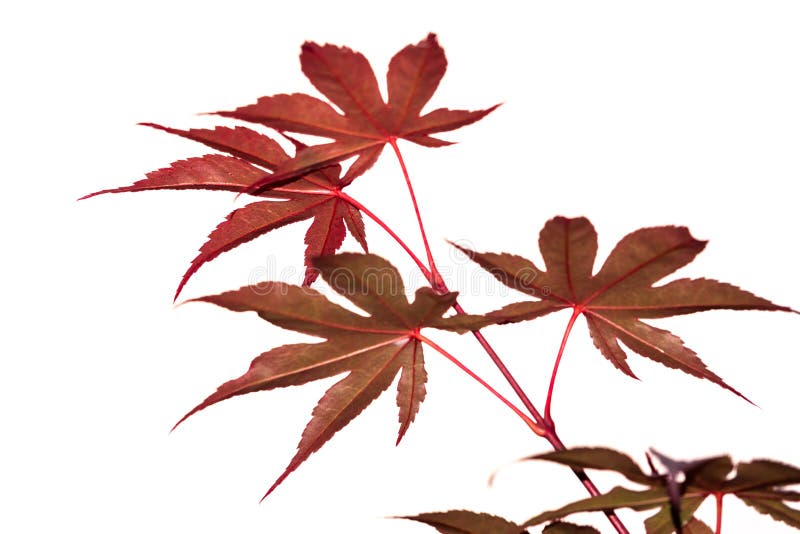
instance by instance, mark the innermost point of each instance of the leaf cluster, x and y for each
(383, 343)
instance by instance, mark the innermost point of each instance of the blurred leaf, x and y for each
(597, 458)
(661, 522)
(467, 522)
(680, 491)
(568, 528)
(618, 497)
(775, 509)
(695, 526)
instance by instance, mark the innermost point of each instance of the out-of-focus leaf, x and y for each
(597, 458)
(560, 527)
(759, 474)
(695, 526)
(618, 497)
(467, 522)
(680, 474)
(662, 523)
(775, 509)
(680, 491)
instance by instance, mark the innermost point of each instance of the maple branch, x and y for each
(539, 431)
(718, 498)
(438, 283)
(539, 423)
(547, 417)
(523, 397)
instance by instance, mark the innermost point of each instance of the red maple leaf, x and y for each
(316, 196)
(372, 350)
(367, 123)
(621, 293)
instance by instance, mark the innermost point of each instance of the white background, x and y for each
(631, 113)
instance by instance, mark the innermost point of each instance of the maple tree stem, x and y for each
(526, 401)
(718, 498)
(434, 276)
(541, 426)
(438, 284)
(547, 416)
(528, 421)
(359, 206)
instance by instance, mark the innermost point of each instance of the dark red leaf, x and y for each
(615, 299)
(253, 157)
(371, 350)
(367, 123)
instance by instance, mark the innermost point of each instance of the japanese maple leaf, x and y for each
(760, 484)
(252, 156)
(346, 78)
(621, 293)
(372, 349)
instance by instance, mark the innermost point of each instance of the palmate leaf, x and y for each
(614, 300)
(368, 123)
(759, 484)
(252, 158)
(372, 349)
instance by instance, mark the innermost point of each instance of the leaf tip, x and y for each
(264, 497)
(182, 419)
(277, 483)
(491, 109)
(735, 392)
(90, 195)
(466, 251)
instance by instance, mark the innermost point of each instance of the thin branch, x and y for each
(432, 265)
(540, 422)
(523, 397)
(548, 418)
